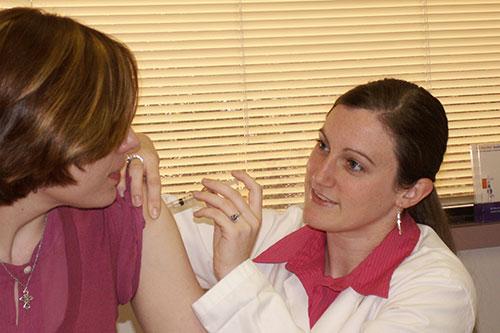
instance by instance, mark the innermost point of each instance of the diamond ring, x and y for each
(234, 218)
(135, 156)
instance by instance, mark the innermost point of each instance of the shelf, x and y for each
(469, 236)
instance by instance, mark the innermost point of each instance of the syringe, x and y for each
(188, 200)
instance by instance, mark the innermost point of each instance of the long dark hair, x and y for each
(417, 122)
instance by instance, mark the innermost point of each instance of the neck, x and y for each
(346, 250)
(21, 228)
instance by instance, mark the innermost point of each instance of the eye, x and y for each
(354, 166)
(322, 145)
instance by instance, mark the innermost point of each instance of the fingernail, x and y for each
(155, 213)
(137, 200)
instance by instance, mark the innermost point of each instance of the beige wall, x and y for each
(484, 266)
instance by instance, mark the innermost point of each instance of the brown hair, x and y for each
(417, 122)
(68, 94)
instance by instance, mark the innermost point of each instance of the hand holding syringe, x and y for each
(236, 218)
(188, 200)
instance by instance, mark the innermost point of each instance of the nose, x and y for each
(325, 172)
(131, 142)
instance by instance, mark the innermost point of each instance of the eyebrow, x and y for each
(350, 149)
(323, 132)
(360, 153)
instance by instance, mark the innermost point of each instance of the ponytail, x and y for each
(430, 212)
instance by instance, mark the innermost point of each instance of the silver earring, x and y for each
(398, 222)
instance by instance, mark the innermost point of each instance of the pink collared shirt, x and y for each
(304, 253)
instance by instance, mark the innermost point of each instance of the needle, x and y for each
(188, 198)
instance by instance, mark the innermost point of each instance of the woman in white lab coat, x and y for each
(369, 251)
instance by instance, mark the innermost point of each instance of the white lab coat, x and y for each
(430, 291)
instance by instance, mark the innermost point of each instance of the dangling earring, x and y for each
(398, 222)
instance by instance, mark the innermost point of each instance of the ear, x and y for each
(414, 194)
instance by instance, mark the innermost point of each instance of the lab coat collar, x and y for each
(303, 251)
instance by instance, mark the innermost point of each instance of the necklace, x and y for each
(26, 298)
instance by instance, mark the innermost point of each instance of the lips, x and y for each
(115, 176)
(321, 199)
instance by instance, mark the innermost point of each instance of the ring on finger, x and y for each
(135, 156)
(235, 217)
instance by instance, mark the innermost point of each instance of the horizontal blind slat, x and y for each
(219, 94)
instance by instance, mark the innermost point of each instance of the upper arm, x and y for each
(167, 285)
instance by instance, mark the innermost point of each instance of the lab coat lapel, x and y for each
(339, 312)
(297, 302)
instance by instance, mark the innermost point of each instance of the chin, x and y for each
(110, 199)
(310, 216)
(102, 201)
(315, 224)
(318, 218)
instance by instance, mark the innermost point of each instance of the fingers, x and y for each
(212, 199)
(122, 185)
(153, 181)
(224, 197)
(148, 170)
(220, 218)
(136, 173)
(230, 201)
(234, 239)
(139, 175)
(254, 192)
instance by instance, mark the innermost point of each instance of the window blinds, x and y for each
(240, 84)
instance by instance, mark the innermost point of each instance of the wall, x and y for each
(484, 266)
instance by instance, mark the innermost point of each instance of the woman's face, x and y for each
(96, 183)
(351, 172)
